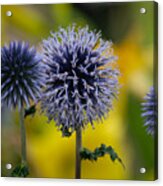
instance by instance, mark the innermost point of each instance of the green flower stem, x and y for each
(23, 137)
(78, 149)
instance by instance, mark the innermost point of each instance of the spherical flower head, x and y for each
(150, 111)
(81, 77)
(21, 77)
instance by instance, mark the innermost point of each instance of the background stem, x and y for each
(78, 148)
(23, 136)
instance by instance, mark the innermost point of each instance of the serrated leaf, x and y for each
(20, 171)
(112, 153)
(87, 154)
(30, 111)
(65, 132)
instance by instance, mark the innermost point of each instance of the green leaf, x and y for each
(66, 132)
(30, 111)
(20, 171)
(87, 154)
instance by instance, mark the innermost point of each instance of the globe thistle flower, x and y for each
(81, 80)
(150, 111)
(21, 77)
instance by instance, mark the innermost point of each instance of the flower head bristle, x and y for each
(150, 111)
(81, 81)
(21, 75)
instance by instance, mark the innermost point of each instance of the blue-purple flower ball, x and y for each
(81, 77)
(21, 75)
(150, 111)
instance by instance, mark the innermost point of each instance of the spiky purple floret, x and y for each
(81, 81)
(21, 75)
(150, 111)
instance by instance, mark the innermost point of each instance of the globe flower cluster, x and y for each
(150, 111)
(21, 75)
(81, 77)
